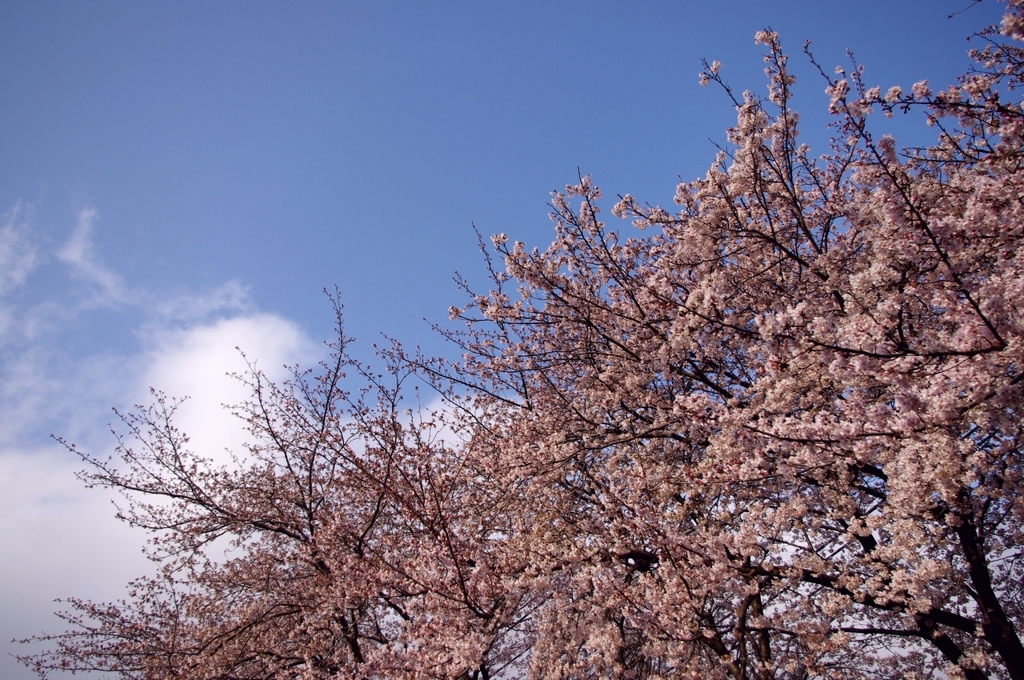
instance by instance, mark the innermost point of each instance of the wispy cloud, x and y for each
(230, 296)
(18, 257)
(79, 253)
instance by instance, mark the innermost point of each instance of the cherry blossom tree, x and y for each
(349, 541)
(776, 433)
(780, 435)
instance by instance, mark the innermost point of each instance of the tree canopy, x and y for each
(773, 433)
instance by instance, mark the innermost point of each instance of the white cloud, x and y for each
(60, 539)
(195, 362)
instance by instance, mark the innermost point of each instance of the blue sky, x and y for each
(178, 179)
